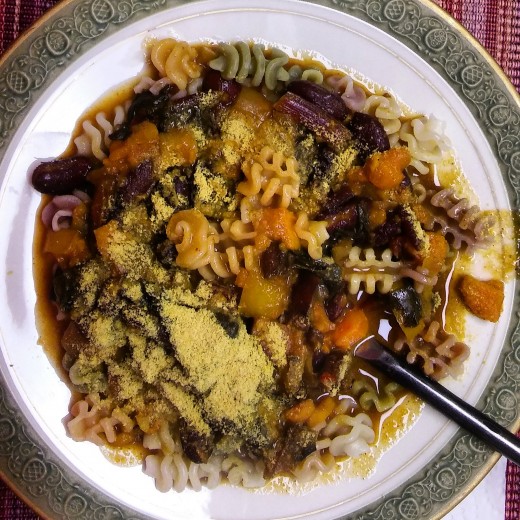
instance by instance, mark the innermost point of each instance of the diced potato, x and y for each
(264, 297)
(436, 253)
(484, 298)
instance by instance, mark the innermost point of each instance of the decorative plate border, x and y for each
(75, 25)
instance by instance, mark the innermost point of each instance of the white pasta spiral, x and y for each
(362, 267)
(312, 233)
(95, 140)
(387, 110)
(347, 435)
(426, 141)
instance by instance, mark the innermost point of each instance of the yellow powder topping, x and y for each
(187, 406)
(274, 340)
(240, 132)
(418, 230)
(129, 384)
(163, 211)
(132, 290)
(153, 362)
(231, 372)
(106, 333)
(212, 193)
(343, 162)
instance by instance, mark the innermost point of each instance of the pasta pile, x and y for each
(218, 244)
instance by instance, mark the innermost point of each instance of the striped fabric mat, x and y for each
(495, 23)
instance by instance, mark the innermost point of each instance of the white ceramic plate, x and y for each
(85, 48)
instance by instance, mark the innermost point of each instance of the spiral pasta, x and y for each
(196, 243)
(425, 140)
(348, 435)
(308, 74)
(95, 139)
(387, 110)
(382, 399)
(352, 95)
(312, 233)
(272, 177)
(243, 62)
(190, 230)
(362, 267)
(468, 217)
(97, 424)
(176, 60)
(315, 464)
(172, 471)
(439, 353)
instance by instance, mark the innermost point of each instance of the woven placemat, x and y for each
(494, 23)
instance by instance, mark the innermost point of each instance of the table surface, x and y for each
(496, 25)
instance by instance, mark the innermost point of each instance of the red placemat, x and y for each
(495, 23)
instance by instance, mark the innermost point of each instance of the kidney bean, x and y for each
(303, 292)
(138, 182)
(213, 80)
(315, 119)
(273, 261)
(336, 200)
(61, 176)
(329, 101)
(344, 220)
(318, 361)
(369, 134)
(335, 305)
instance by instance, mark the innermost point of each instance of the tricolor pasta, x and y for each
(224, 239)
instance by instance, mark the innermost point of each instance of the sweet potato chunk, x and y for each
(436, 254)
(484, 298)
(68, 247)
(264, 297)
(385, 169)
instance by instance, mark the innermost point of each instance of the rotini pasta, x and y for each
(298, 72)
(271, 176)
(97, 424)
(176, 60)
(347, 435)
(313, 235)
(388, 111)
(426, 141)
(382, 399)
(95, 138)
(373, 273)
(241, 62)
(439, 353)
(352, 95)
(468, 218)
